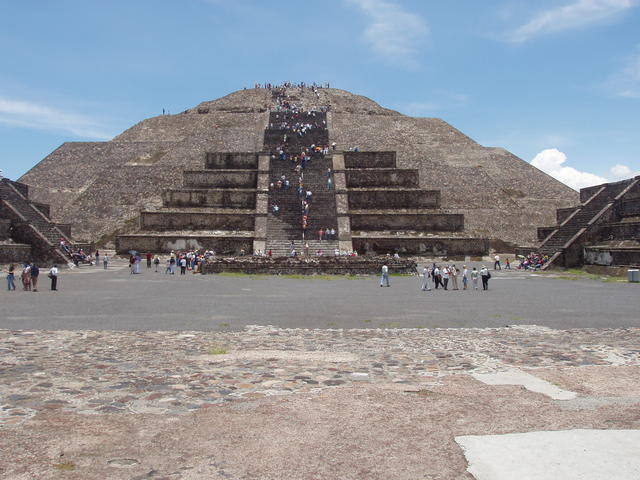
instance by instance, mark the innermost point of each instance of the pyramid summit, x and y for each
(417, 184)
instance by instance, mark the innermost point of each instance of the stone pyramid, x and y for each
(100, 188)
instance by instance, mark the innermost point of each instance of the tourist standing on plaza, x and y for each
(465, 277)
(496, 264)
(474, 278)
(437, 278)
(149, 258)
(453, 273)
(156, 262)
(11, 285)
(507, 264)
(183, 266)
(35, 273)
(53, 275)
(26, 277)
(425, 279)
(105, 261)
(486, 275)
(384, 278)
(97, 257)
(445, 276)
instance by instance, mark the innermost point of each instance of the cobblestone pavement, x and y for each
(105, 372)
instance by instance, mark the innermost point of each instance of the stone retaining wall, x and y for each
(563, 213)
(209, 198)
(544, 232)
(220, 179)
(231, 160)
(370, 159)
(382, 178)
(167, 243)
(437, 246)
(376, 199)
(612, 256)
(429, 222)
(14, 253)
(5, 228)
(160, 221)
(311, 266)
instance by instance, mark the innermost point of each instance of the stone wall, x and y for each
(14, 253)
(382, 178)
(160, 221)
(431, 222)
(615, 231)
(221, 198)
(231, 160)
(612, 256)
(309, 266)
(5, 228)
(167, 243)
(437, 246)
(544, 232)
(220, 179)
(563, 213)
(630, 207)
(380, 198)
(370, 159)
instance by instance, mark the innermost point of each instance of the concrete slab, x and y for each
(570, 454)
(528, 381)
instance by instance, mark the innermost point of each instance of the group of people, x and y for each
(29, 276)
(533, 261)
(273, 86)
(445, 277)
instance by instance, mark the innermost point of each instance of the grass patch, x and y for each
(332, 324)
(224, 325)
(368, 321)
(217, 350)
(390, 325)
(497, 315)
(65, 466)
(517, 319)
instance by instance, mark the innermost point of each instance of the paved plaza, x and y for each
(93, 299)
(235, 377)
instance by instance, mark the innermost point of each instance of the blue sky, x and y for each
(555, 82)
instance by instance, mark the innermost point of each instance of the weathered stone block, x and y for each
(167, 243)
(220, 179)
(379, 199)
(231, 160)
(370, 159)
(436, 246)
(159, 221)
(382, 177)
(427, 222)
(221, 198)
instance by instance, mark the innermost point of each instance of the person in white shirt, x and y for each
(425, 279)
(53, 275)
(465, 277)
(384, 278)
(445, 277)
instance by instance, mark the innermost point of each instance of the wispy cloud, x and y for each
(575, 15)
(626, 83)
(553, 162)
(24, 114)
(393, 33)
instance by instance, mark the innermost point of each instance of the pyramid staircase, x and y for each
(31, 225)
(286, 226)
(569, 234)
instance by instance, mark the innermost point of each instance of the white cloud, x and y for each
(551, 162)
(23, 114)
(626, 83)
(393, 33)
(621, 172)
(575, 15)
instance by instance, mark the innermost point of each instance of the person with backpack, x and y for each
(486, 275)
